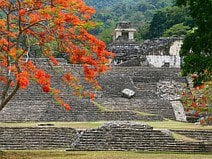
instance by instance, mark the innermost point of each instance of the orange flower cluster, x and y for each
(53, 60)
(3, 79)
(56, 95)
(196, 101)
(22, 79)
(67, 77)
(60, 26)
(43, 79)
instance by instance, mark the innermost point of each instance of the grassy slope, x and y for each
(168, 124)
(98, 155)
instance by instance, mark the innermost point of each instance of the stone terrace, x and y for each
(28, 138)
(133, 136)
(154, 91)
(148, 84)
(33, 105)
(38, 106)
(110, 136)
(126, 51)
(196, 134)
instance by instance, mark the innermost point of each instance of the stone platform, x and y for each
(110, 136)
(147, 83)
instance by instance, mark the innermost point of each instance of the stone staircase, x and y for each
(33, 105)
(131, 136)
(202, 135)
(114, 136)
(141, 86)
(144, 82)
(29, 138)
(150, 106)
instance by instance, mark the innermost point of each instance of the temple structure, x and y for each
(160, 52)
(124, 32)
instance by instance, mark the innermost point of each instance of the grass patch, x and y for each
(76, 125)
(102, 108)
(183, 137)
(144, 113)
(166, 124)
(175, 125)
(99, 155)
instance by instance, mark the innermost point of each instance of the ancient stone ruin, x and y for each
(152, 94)
(110, 136)
(143, 85)
(155, 97)
(124, 32)
(161, 52)
(132, 136)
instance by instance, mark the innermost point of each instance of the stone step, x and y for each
(204, 135)
(146, 86)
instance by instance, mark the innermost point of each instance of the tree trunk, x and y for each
(8, 98)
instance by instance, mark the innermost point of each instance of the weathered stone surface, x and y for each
(179, 110)
(128, 93)
(148, 85)
(33, 105)
(203, 135)
(124, 32)
(170, 89)
(157, 52)
(110, 136)
(132, 136)
(28, 138)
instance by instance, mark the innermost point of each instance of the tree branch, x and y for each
(4, 103)
(7, 86)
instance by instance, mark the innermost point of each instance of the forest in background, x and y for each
(151, 18)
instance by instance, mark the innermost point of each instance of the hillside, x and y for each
(138, 12)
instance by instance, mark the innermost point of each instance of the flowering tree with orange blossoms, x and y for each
(50, 25)
(198, 102)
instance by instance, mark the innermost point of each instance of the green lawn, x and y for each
(99, 155)
(175, 125)
(167, 124)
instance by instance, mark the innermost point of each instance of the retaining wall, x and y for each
(34, 105)
(110, 136)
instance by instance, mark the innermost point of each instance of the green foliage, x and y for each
(2, 15)
(61, 154)
(106, 35)
(165, 22)
(110, 12)
(197, 54)
(198, 64)
(197, 101)
(197, 46)
(142, 32)
(176, 30)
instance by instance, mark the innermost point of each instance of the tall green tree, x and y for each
(176, 30)
(166, 18)
(110, 12)
(197, 46)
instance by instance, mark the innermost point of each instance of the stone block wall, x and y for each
(153, 106)
(202, 135)
(27, 138)
(157, 52)
(47, 110)
(33, 105)
(154, 89)
(110, 136)
(131, 136)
